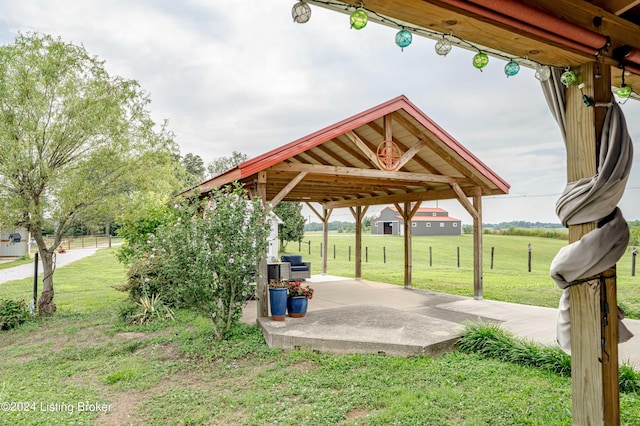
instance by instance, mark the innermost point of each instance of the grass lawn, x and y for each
(85, 367)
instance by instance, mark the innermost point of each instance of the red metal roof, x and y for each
(343, 172)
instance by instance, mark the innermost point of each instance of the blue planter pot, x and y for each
(297, 306)
(278, 303)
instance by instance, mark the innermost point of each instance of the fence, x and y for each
(84, 241)
(448, 257)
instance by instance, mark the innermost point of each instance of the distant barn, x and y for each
(427, 221)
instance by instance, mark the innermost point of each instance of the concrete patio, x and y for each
(359, 316)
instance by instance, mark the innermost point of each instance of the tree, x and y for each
(292, 228)
(73, 140)
(194, 168)
(222, 164)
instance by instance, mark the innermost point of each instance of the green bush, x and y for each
(491, 341)
(203, 257)
(13, 313)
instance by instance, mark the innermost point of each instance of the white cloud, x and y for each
(242, 76)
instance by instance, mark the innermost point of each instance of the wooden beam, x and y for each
(462, 197)
(388, 127)
(358, 213)
(617, 7)
(314, 211)
(477, 245)
(407, 212)
(432, 142)
(365, 173)
(371, 156)
(411, 152)
(619, 30)
(326, 214)
(355, 153)
(424, 164)
(287, 189)
(443, 194)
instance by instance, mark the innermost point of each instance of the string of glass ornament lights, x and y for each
(359, 17)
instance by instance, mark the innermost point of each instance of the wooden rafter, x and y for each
(362, 145)
(368, 173)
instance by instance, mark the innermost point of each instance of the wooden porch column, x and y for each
(407, 213)
(358, 214)
(596, 395)
(326, 213)
(262, 289)
(477, 245)
(475, 210)
(324, 218)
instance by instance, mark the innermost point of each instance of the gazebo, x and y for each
(390, 154)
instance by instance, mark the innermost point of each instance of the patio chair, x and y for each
(299, 269)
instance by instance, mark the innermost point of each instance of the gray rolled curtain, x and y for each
(591, 200)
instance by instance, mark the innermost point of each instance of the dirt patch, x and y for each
(357, 413)
(131, 335)
(122, 409)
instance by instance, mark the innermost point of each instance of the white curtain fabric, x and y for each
(591, 200)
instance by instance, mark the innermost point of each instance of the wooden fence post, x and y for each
(492, 250)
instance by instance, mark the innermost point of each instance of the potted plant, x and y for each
(278, 298)
(298, 299)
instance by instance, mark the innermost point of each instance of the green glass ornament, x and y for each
(624, 91)
(512, 68)
(568, 78)
(359, 19)
(480, 60)
(403, 38)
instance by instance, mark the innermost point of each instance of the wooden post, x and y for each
(529, 257)
(326, 213)
(358, 214)
(407, 212)
(407, 245)
(492, 251)
(596, 395)
(477, 245)
(634, 253)
(262, 289)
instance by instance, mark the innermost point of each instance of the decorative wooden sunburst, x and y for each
(388, 155)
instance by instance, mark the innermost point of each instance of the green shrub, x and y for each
(13, 313)
(149, 309)
(204, 256)
(491, 341)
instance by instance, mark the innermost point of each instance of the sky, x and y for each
(242, 76)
